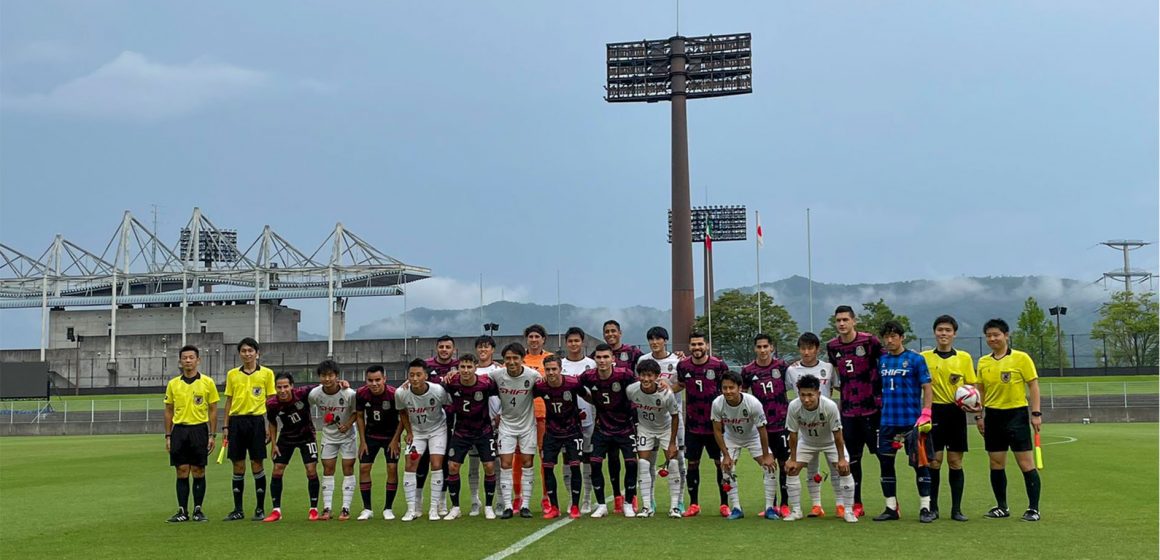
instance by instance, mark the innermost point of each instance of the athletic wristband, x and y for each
(977, 417)
(167, 436)
(1036, 413)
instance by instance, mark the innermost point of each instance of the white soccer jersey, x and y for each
(515, 395)
(822, 370)
(815, 428)
(424, 411)
(492, 402)
(341, 406)
(654, 411)
(739, 423)
(668, 369)
(568, 367)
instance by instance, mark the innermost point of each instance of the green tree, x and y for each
(1035, 334)
(874, 314)
(735, 324)
(1128, 326)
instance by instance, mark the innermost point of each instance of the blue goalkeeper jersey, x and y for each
(902, 379)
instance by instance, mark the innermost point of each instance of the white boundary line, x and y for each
(529, 540)
(1068, 440)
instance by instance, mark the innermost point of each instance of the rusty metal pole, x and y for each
(682, 246)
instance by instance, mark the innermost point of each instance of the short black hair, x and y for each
(732, 376)
(657, 332)
(997, 324)
(536, 328)
(809, 339)
(484, 340)
(516, 348)
(892, 327)
(376, 369)
(445, 338)
(417, 362)
(763, 336)
(649, 365)
(326, 366)
(697, 334)
(611, 322)
(285, 376)
(189, 348)
(574, 331)
(468, 357)
(947, 319)
(844, 309)
(249, 341)
(602, 347)
(551, 358)
(809, 382)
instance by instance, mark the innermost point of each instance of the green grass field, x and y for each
(108, 496)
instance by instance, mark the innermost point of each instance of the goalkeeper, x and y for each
(906, 402)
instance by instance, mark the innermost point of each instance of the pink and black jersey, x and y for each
(562, 404)
(436, 369)
(767, 383)
(856, 366)
(470, 411)
(378, 412)
(701, 385)
(626, 356)
(297, 426)
(614, 415)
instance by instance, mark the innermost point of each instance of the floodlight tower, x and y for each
(675, 70)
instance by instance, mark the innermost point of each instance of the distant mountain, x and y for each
(971, 300)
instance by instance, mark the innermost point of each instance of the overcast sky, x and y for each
(930, 140)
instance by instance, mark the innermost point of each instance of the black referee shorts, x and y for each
(948, 427)
(859, 431)
(247, 435)
(1005, 429)
(188, 445)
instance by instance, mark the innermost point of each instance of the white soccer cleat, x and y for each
(601, 511)
(410, 515)
(476, 508)
(442, 507)
(675, 513)
(365, 515)
(645, 512)
(433, 515)
(794, 515)
(452, 514)
(489, 512)
(849, 516)
(585, 507)
(388, 515)
(628, 511)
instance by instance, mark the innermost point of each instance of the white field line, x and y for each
(529, 540)
(1067, 439)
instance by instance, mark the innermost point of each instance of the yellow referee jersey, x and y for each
(249, 391)
(191, 398)
(1005, 380)
(949, 373)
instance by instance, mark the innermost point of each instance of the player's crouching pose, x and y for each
(739, 423)
(658, 420)
(420, 406)
(289, 407)
(815, 427)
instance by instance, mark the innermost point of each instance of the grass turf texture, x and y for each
(108, 496)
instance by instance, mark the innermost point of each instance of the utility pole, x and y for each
(1127, 274)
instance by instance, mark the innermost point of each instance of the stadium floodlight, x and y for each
(727, 223)
(213, 246)
(677, 69)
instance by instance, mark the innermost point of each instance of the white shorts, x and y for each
(347, 449)
(753, 445)
(648, 440)
(435, 443)
(587, 432)
(807, 453)
(509, 441)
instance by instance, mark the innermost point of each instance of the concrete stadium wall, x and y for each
(277, 322)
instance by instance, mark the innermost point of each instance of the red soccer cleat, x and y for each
(816, 511)
(841, 510)
(552, 513)
(784, 511)
(313, 514)
(858, 511)
(618, 505)
(274, 516)
(725, 511)
(325, 515)
(574, 511)
(545, 504)
(693, 510)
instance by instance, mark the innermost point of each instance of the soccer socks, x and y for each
(889, 482)
(935, 476)
(276, 492)
(473, 477)
(505, 486)
(260, 488)
(453, 489)
(489, 488)
(410, 487)
(814, 487)
(676, 483)
(586, 488)
(364, 488)
(575, 484)
(392, 491)
(526, 488)
(999, 487)
(422, 469)
(794, 488)
(550, 483)
(733, 495)
(613, 463)
(327, 491)
(436, 489)
(844, 491)
(856, 474)
(771, 487)
(312, 487)
(347, 491)
(200, 491)
(781, 482)
(694, 481)
(721, 484)
(1030, 480)
(239, 487)
(598, 483)
(956, 480)
(183, 493)
(645, 481)
(517, 482)
(630, 470)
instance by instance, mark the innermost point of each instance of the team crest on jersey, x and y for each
(1005, 377)
(955, 378)
(777, 374)
(670, 366)
(341, 401)
(744, 412)
(257, 391)
(478, 396)
(432, 401)
(299, 405)
(198, 399)
(386, 405)
(624, 356)
(710, 375)
(658, 402)
(615, 386)
(527, 384)
(567, 396)
(860, 351)
(905, 363)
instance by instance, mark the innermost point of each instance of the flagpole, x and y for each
(709, 293)
(757, 250)
(810, 267)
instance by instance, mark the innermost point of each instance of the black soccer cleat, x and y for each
(179, 517)
(1031, 515)
(934, 511)
(926, 516)
(235, 515)
(525, 513)
(997, 513)
(259, 515)
(958, 516)
(198, 515)
(507, 514)
(887, 515)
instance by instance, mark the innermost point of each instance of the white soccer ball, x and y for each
(967, 397)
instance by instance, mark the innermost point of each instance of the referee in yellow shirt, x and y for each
(1006, 377)
(950, 369)
(190, 423)
(247, 388)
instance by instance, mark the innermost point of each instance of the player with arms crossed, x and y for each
(950, 369)
(854, 356)
(289, 408)
(658, 418)
(1006, 377)
(808, 345)
(739, 423)
(378, 430)
(420, 404)
(658, 340)
(614, 426)
(247, 388)
(698, 376)
(562, 396)
(190, 425)
(815, 428)
(336, 404)
(765, 379)
(574, 364)
(471, 429)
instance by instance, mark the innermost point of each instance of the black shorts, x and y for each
(1005, 429)
(373, 448)
(778, 444)
(247, 435)
(572, 446)
(696, 443)
(908, 437)
(948, 428)
(859, 431)
(484, 447)
(309, 451)
(602, 444)
(188, 445)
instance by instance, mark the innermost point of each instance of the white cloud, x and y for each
(450, 293)
(131, 86)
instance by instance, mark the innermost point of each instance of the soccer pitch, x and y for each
(108, 496)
